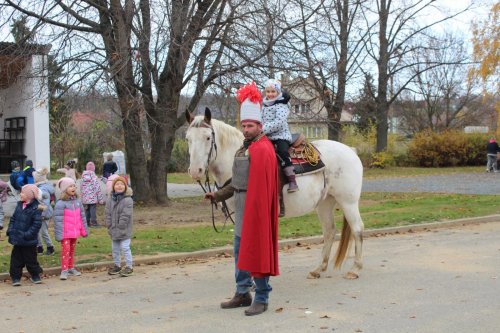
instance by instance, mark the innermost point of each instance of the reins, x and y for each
(207, 188)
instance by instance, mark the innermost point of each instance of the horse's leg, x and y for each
(353, 217)
(326, 215)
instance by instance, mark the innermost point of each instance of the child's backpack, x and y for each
(13, 179)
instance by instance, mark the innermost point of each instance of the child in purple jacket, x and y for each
(90, 189)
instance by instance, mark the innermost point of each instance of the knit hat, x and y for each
(30, 191)
(251, 101)
(90, 166)
(14, 164)
(40, 175)
(275, 84)
(64, 183)
(492, 140)
(29, 163)
(119, 179)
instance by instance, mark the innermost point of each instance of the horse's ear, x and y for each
(189, 116)
(208, 115)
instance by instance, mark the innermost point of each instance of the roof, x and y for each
(13, 58)
(25, 49)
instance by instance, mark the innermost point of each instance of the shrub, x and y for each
(448, 148)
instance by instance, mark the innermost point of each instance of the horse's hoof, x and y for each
(351, 276)
(313, 275)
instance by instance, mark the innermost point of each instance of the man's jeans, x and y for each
(244, 280)
(492, 163)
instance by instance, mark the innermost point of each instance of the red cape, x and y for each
(259, 236)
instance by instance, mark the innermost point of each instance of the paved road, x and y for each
(462, 183)
(443, 280)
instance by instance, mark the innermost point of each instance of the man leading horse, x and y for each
(254, 186)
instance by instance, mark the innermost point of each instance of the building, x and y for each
(24, 105)
(307, 112)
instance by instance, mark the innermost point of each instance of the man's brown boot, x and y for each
(237, 301)
(256, 309)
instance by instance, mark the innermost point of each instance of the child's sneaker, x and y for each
(16, 282)
(127, 271)
(115, 270)
(74, 272)
(64, 275)
(36, 279)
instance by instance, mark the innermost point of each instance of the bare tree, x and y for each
(326, 52)
(152, 51)
(397, 38)
(441, 95)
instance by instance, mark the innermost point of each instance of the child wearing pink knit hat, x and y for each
(90, 189)
(69, 224)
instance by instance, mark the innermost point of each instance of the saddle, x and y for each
(306, 159)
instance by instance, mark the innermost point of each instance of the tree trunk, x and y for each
(383, 79)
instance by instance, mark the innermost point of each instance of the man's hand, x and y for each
(210, 196)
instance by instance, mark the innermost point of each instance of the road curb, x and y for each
(287, 243)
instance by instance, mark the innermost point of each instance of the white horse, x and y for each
(212, 145)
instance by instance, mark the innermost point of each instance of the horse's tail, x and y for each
(345, 238)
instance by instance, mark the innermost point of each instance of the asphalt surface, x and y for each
(440, 280)
(437, 280)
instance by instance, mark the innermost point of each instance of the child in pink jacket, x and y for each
(69, 224)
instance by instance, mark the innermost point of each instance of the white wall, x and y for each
(28, 97)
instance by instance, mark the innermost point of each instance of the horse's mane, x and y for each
(225, 133)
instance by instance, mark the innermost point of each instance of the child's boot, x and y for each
(290, 175)
(50, 251)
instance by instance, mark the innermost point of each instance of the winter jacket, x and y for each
(69, 219)
(26, 176)
(492, 148)
(275, 118)
(118, 215)
(47, 190)
(14, 176)
(24, 224)
(109, 168)
(90, 188)
(4, 188)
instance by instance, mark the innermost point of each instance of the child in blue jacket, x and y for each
(23, 234)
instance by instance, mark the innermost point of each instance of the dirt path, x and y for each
(444, 280)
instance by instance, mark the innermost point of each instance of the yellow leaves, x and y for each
(486, 44)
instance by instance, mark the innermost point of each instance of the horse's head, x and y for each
(201, 141)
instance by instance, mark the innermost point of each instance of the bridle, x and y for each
(207, 188)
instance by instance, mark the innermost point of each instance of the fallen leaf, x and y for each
(325, 316)
(278, 310)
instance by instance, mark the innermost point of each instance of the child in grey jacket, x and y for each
(119, 220)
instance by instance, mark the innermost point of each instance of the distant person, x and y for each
(4, 190)
(492, 149)
(23, 229)
(69, 224)
(26, 176)
(47, 192)
(109, 167)
(69, 170)
(14, 176)
(90, 190)
(119, 220)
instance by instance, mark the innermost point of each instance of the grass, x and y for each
(378, 210)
